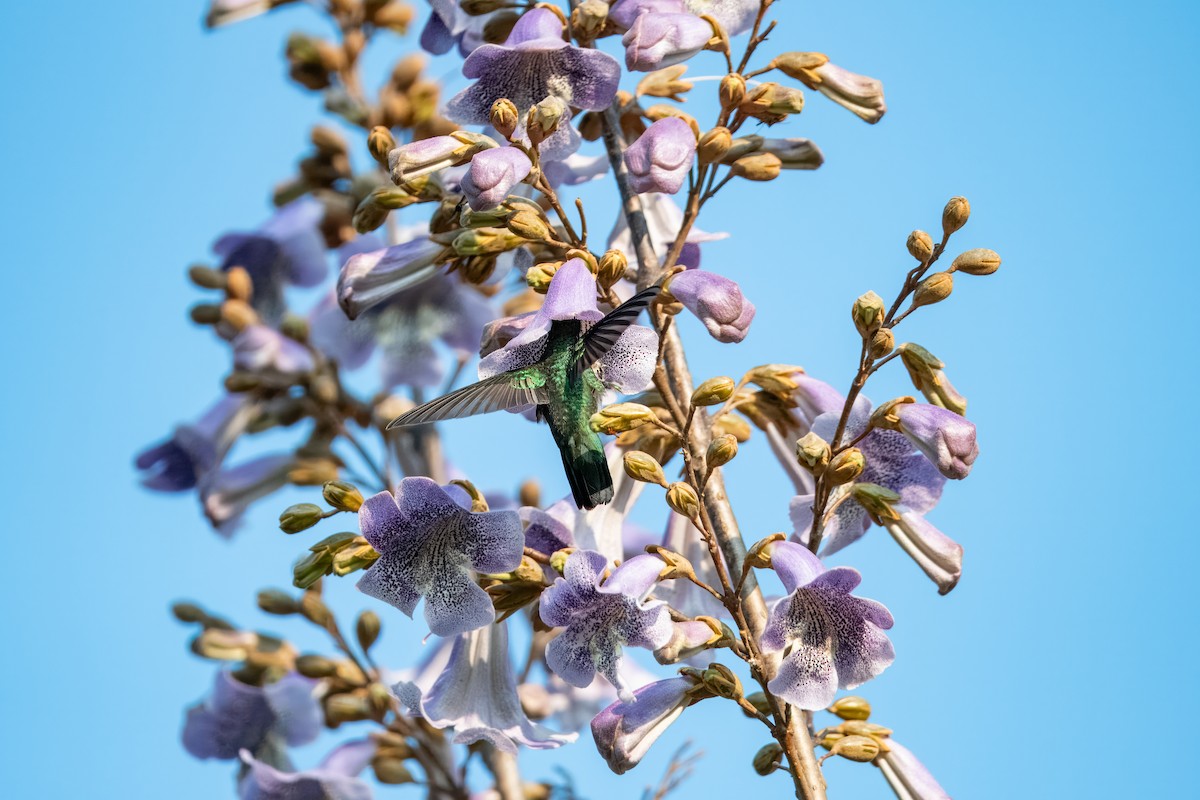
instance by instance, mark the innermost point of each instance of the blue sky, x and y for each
(1064, 656)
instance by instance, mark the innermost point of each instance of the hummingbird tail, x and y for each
(591, 482)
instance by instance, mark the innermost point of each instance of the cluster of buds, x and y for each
(339, 554)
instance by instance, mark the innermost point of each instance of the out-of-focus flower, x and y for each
(657, 40)
(334, 779)
(716, 301)
(260, 348)
(180, 462)
(238, 716)
(947, 439)
(907, 776)
(660, 158)
(225, 12)
(535, 63)
(832, 638)
(287, 249)
(627, 367)
(227, 493)
(575, 169)
(449, 26)
(663, 219)
(624, 731)
(476, 695)
(428, 545)
(601, 618)
(492, 175)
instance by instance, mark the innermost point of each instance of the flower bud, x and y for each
(813, 452)
(934, 289)
(855, 748)
(867, 313)
(979, 261)
(314, 609)
(238, 284)
(768, 757)
(206, 277)
(683, 500)
(857, 727)
(558, 559)
(539, 275)
(205, 313)
(357, 555)
(300, 517)
(530, 493)
(621, 417)
(713, 391)
(757, 167)
(343, 496)
(955, 214)
(484, 241)
(732, 91)
(643, 467)
(477, 8)
(845, 466)
(721, 451)
(188, 612)
(721, 681)
(734, 425)
(771, 103)
(391, 771)
(504, 117)
(759, 701)
(920, 246)
(852, 707)
(611, 268)
(798, 65)
(381, 142)
(277, 601)
(882, 342)
(367, 628)
(776, 378)
(238, 314)
(759, 554)
(664, 82)
(588, 19)
(311, 568)
(313, 666)
(544, 119)
(742, 146)
(714, 144)
(341, 708)
(529, 225)
(369, 215)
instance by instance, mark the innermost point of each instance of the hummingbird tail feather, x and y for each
(591, 482)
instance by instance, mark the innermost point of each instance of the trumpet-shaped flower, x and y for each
(239, 716)
(194, 450)
(660, 158)
(657, 40)
(907, 776)
(830, 638)
(716, 301)
(492, 175)
(334, 779)
(226, 494)
(601, 617)
(947, 439)
(428, 545)
(624, 731)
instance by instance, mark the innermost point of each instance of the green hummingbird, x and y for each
(565, 389)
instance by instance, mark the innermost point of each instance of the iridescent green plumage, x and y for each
(565, 389)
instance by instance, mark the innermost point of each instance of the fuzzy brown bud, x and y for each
(979, 261)
(343, 496)
(713, 391)
(278, 602)
(757, 167)
(721, 451)
(768, 758)
(882, 342)
(621, 417)
(852, 707)
(313, 666)
(732, 91)
(380, 142)
(611, 268)
(714, 144)
(813, 452)
(955, 215)
(367, 628)
(588, 19)
(683, 500)
(664, 82)
(920, 246)
(529, 225)
(867, 313)
(934, 289)
(863, 749)
(845, 466)
(644, 467)
(504, 117)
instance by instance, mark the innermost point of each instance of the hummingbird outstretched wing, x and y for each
(601, 337)
(513, 389)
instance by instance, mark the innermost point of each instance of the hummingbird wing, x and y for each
(601, 337)
(513, 389)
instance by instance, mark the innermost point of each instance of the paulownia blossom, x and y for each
(660, 158)
(239, 716)
(830, 639)
(907, 776)
(194, 450)
(492, 174)
(334, 779)
(227, 493)
(624, 731)
(476, 695)
(602, 616)
(534, 63)
(428, 546)
(716, 301)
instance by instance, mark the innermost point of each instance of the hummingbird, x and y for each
(565, 389)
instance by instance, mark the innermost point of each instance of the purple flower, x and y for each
(625, 12)
(601, 618)
(907, 776)
(287, 249)
(476, 695)
(258, 348)
(449, 25)
(660, 158)
(947, 439)
(428, 545)
(857, 93)
(334, 779)
(404, 328)
(663, 218)
(716, 301)
(832, 638)
(625, 730)
(575, 169)
(492, 175)
(410, 161)
(533, 64)
(227, 493)
(939, 556)
(238, 716)
(369, 278)
(627, 367)
(657, 40)
(735, 16)
(194, 450)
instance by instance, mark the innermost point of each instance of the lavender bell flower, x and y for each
(368, 279)
(534, 63)
(258, 348)
(449, 26)
(627, 367)
(601, 618)
(938, 556)
(476, 695)
(227, 493)
(194, 450)
(735, 16)
(947, 439)
(334, 779)
(716, 301)
(428, 545)
(831, 638)
(288, 249)
(624, 731)
(492, 175)
(857, 93)
(657, 40)
(907, 776)
(661, 157)
(238, 716)
(416, 159)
